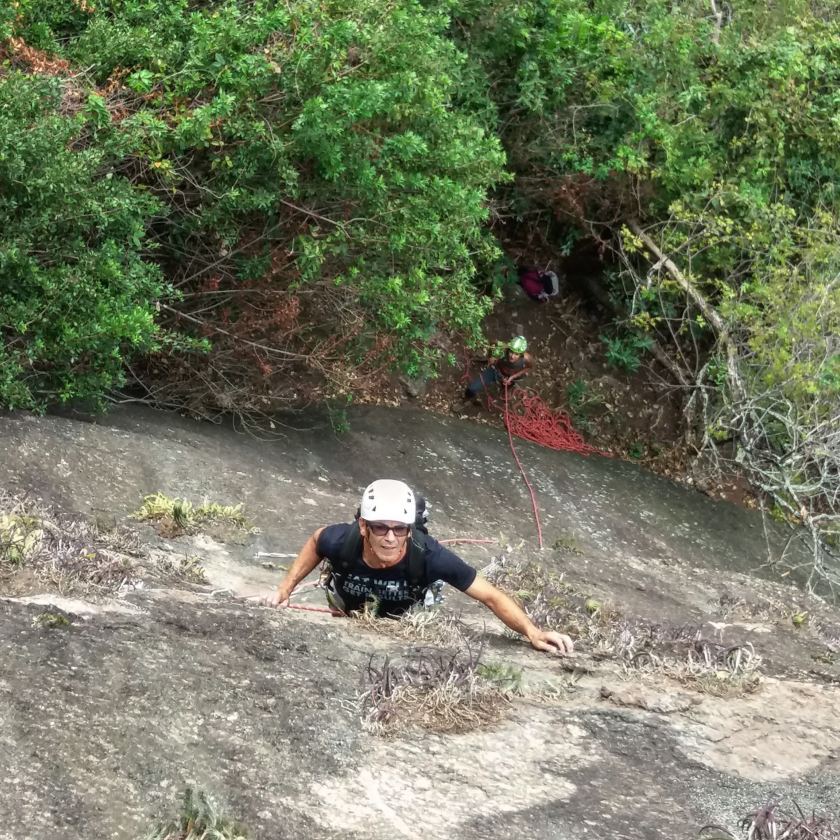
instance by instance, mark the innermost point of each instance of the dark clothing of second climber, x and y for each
(501, 368)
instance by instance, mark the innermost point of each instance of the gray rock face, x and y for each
(103, 723)
(413, 388)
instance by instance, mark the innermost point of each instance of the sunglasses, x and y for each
(380, 529)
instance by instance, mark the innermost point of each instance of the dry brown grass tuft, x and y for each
(69, 554)
(679, 652)
(715, 669)
(760, 607)
(438, 692)
(183, 569)
(770, 822)
(434, 627)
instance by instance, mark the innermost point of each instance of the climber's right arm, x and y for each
(306, 561)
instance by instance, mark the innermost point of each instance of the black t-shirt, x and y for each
(391, 586)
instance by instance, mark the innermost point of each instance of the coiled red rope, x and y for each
(527, 416)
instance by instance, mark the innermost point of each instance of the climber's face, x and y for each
(387, 540)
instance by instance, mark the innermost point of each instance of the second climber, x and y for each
(510, 367)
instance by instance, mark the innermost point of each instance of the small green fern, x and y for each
(200, 820)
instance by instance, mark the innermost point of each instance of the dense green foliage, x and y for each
(714, 128)
(75, 295)
(722, 132)
(646, 92)
(314, 189)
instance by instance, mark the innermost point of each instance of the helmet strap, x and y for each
(367, 544)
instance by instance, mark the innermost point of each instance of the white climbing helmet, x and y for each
(387, 500)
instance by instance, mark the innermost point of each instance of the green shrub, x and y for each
(624, 352)
(304, 173)
(76, 295)
(52, 620)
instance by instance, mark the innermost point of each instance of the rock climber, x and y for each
(539, 285)
(512, 366)
(382, 559)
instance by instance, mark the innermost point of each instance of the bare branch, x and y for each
(718, 16)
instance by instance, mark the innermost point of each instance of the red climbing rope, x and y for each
(527, 416)
(508, 426)
(312, 609)
(298, 589)
(531, 419)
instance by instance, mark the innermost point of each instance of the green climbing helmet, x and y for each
(518, 344)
